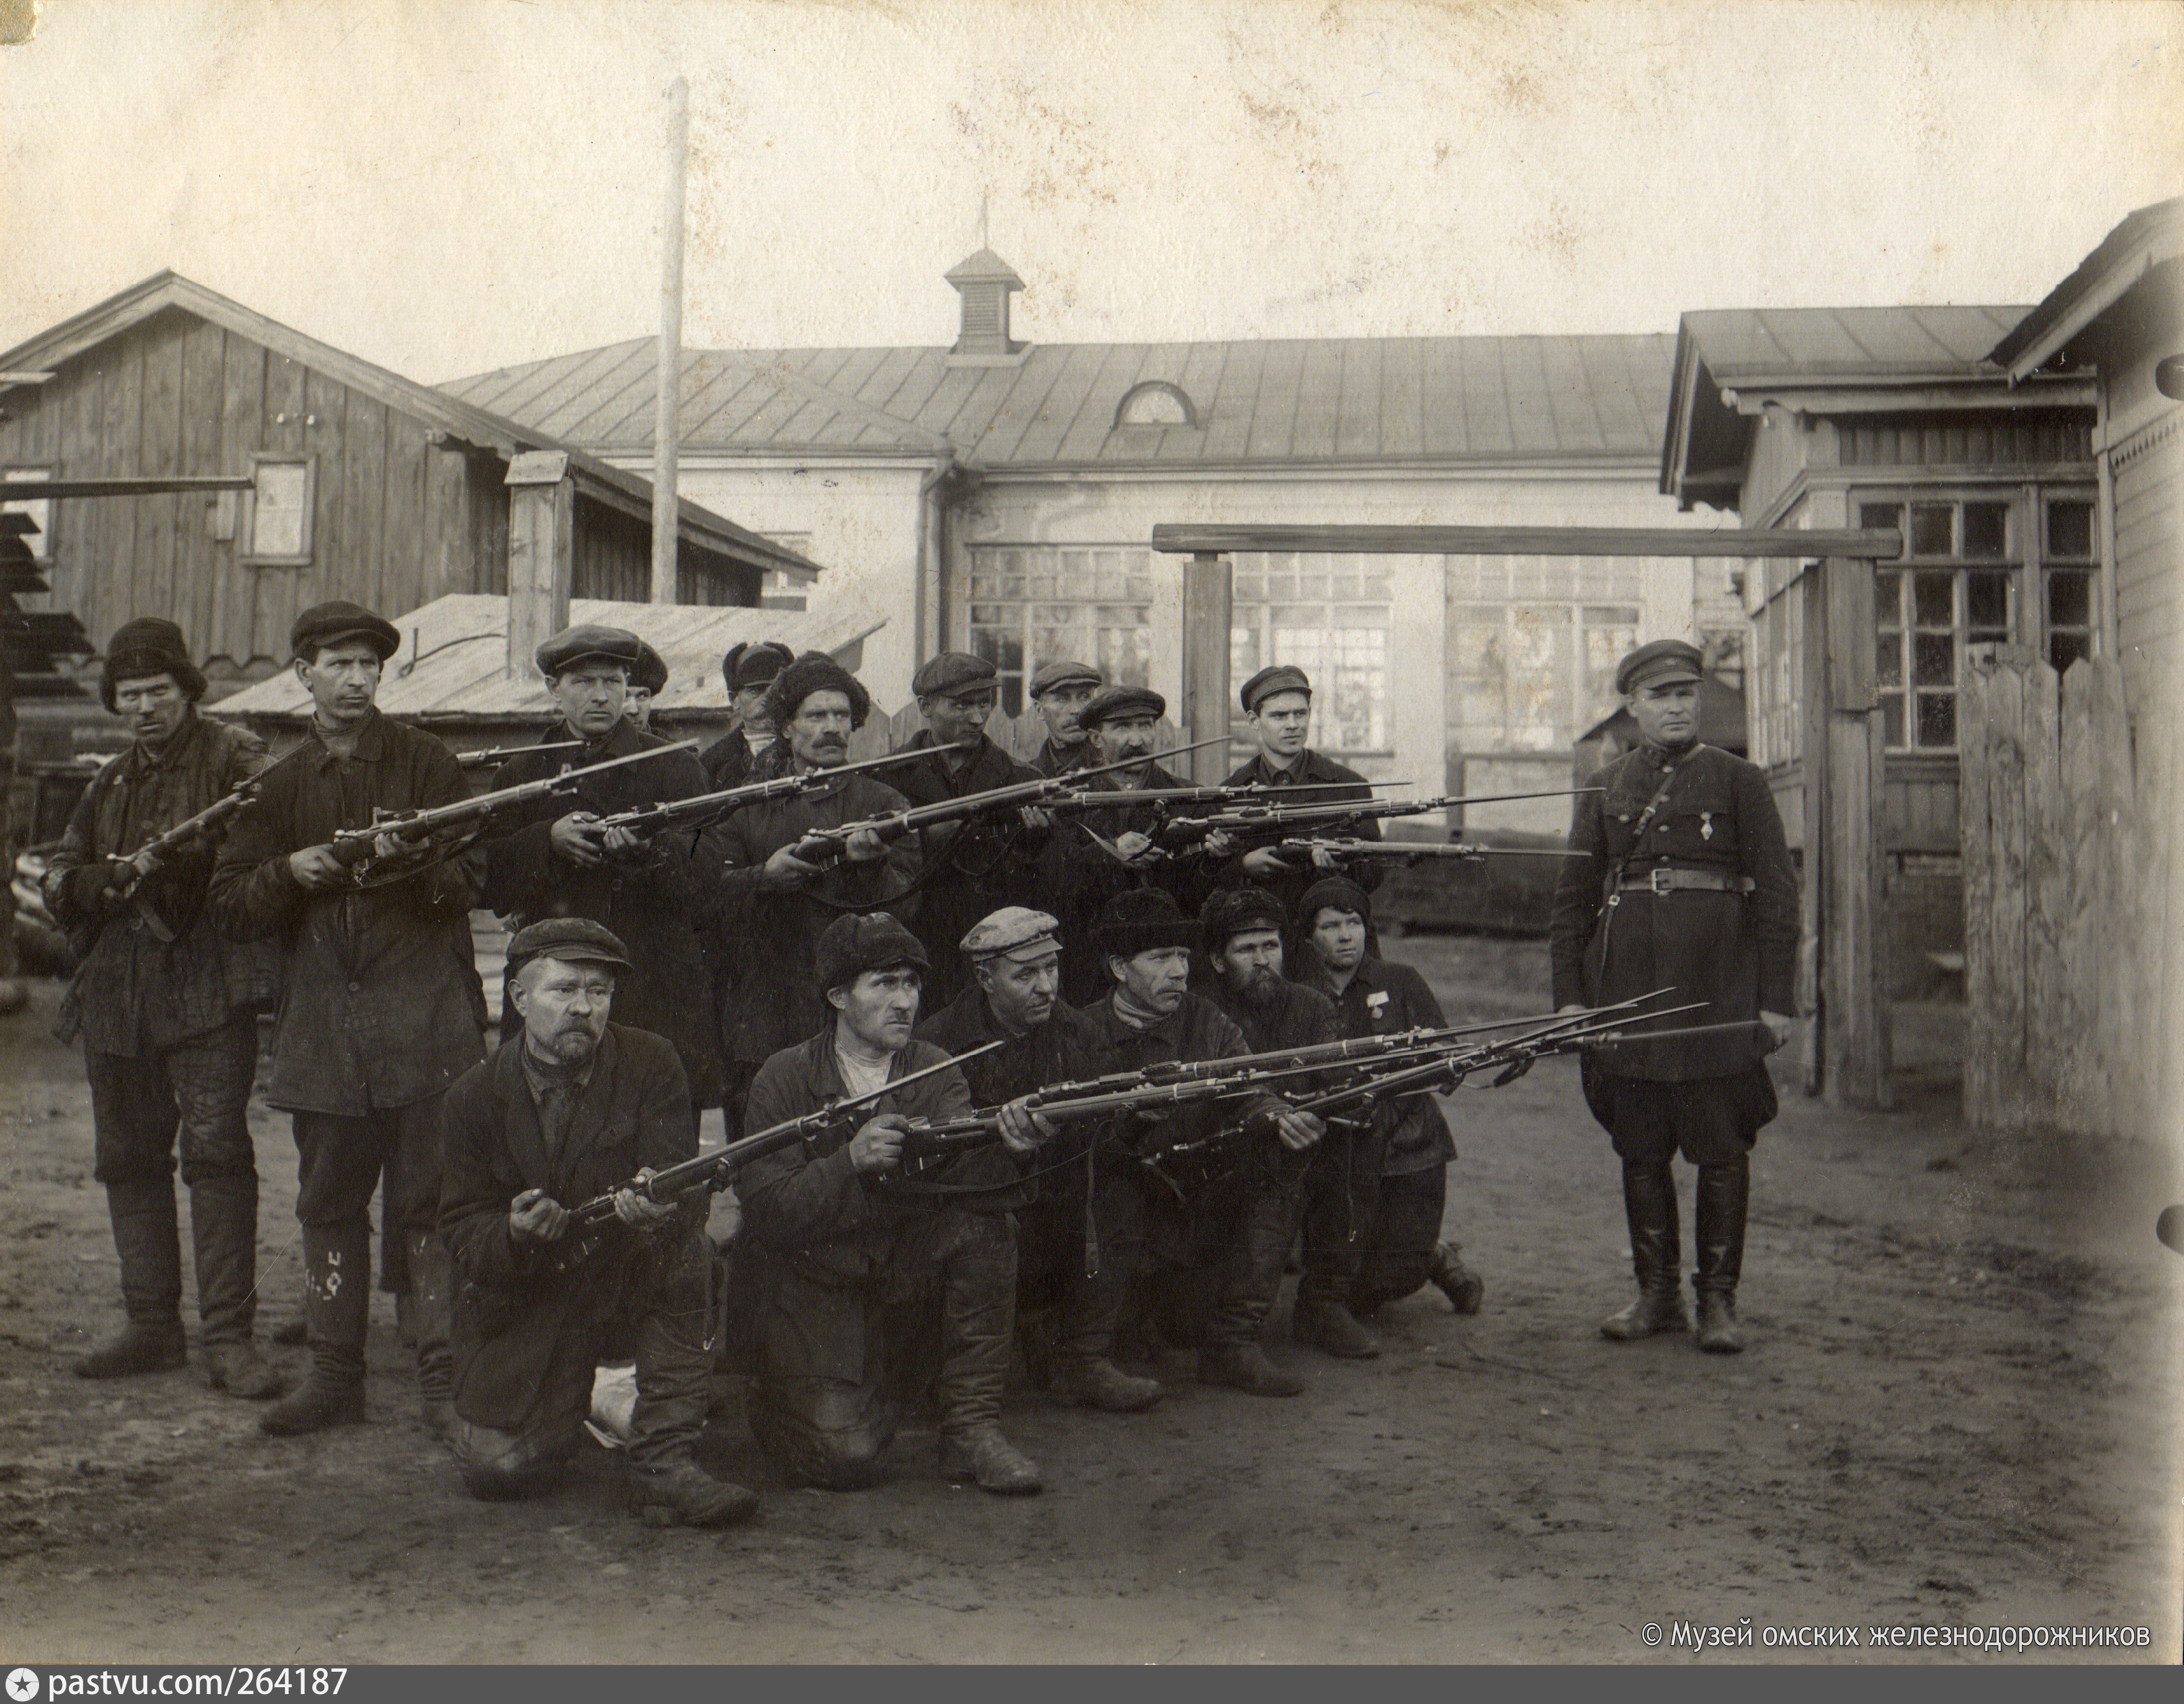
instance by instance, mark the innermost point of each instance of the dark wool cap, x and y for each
(324, 624)
(1658, 663)
(853, 944)
(574, 940)
(574, 645)
(1052, 675)
(1112, 703)
(651, 671)
(1338, 893)
(145, 647)
(954, 672)
(815, 672)
(1137, 920)
(754, 665)
(1229, 912)
(1282, 678)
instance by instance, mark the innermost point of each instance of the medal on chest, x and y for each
(1706, 825)
(1377, 1004)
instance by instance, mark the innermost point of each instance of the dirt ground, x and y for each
(1959, 1408)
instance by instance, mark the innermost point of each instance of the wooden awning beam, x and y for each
(36, 490)
(1873, 544)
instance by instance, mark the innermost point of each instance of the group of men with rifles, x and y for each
(1062, 1062)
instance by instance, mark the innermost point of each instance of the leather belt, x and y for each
(1666, 879)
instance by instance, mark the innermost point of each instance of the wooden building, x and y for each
(366, 486)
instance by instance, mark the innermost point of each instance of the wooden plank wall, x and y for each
(398, 520)
(2065, 812)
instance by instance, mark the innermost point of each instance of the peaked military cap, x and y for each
(573, 940)
(1655, 665)
(1052, 675)
(1282, 678)
(1014, 932)
(1115, 704)
(573, 645)
(328, 623)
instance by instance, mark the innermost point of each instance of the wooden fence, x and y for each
(2065, 810)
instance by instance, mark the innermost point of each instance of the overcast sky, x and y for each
(446, 185)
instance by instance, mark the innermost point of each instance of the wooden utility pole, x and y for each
(666, 528)
(1208, 600)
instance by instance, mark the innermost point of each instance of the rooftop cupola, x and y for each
(984, 282)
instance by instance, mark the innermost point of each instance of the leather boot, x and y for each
(1649, 1202)
(295, 1331)
(224, 1228)
(1245, 1366)
(674, 1395)
(338, 1302)
(978, 1321)
(1251, 1275)
(1096, 1382)
(1327, 1324)
(675, 1491)
(432, 1297)
(1724, 1193)
(145, 1236)
(1464, 1289)
(981, 1453)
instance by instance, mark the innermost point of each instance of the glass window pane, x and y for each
(2065, 648)
(2070, 599)
(2069, 529)
(1888, 516)
(1932, 532)
(1938, 720)
(1986, 529)
(1934, 660)
(1891, 721)
(1888, 599)
(1934, 600)
(1888, 659)
(1986, 600)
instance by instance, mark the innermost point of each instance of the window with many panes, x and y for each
(1033, 604)
(1778, 670)
(1329, 615)
(1533, 642)
(2070, 572)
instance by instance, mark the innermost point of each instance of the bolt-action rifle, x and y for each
(493, 756)
(702, 808)
(1414, 851)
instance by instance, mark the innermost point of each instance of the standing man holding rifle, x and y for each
(557, 859)
(381, 1006)
(1685, 883)
(1060, 692)
(167, 1008)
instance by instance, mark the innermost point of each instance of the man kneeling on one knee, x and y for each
(557, 1116)
(842, 1269)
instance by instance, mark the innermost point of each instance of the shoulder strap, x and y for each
(1638, 830)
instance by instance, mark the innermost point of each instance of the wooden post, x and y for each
(2006, 898)
(1208, 606)
(666, 514)
(1974, 828)
(2048, 1020)
(1855, 1062)
(541, 526)
(1812, 908)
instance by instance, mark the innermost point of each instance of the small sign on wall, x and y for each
(277, 526)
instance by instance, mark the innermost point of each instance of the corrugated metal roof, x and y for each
(1748, 345)
(1276, 401)
(454, 649)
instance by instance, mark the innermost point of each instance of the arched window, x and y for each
(1155, 403)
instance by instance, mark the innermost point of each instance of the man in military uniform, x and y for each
(1378, 1239)
(556, 858)
(647, 681)
(970, 869)
(1014, 956)
(1685, 883)
(828, 1250)
(565, 1112)
(1059, 693)
(773, 906)
(749, 672)
(381, 1006)
(1277, 701)
(167, 1009)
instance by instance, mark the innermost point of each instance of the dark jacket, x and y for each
(1738, 951)
(1197, 1029)
(1298, 1017)
(1058, 1051)
(133, 991)
(1049, 759)
(381, 1005)
(1312, 770)
(777, 999)
(1076, 877)
(968, 874)
(1386, 999)
(655, 899)
(515, 1311)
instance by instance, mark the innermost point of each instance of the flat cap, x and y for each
(1116, 703)
(326, 624)
(574, 940)
(748, 665)
(572, 645)
(954, 672)
(1137, 919)
(651, 671)
(1014, 932)
(1049, 675)
(1282, 678)
(1228, 912)
(854, 943)
(1333, 892)
(1659, 663)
